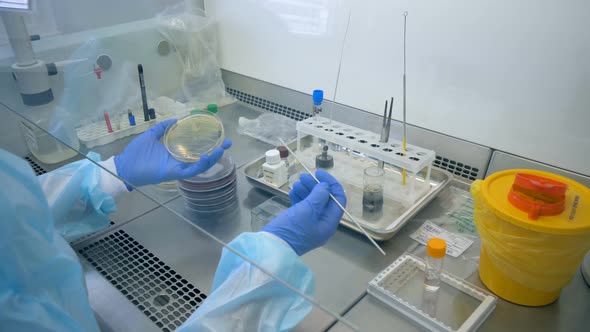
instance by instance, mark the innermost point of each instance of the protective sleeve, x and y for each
(81, 195)
(244, 298)
(41, 281)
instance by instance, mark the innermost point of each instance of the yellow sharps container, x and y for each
(535, 231)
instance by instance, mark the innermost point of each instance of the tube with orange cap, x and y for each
(436, 250)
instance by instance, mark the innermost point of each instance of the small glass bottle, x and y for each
(288, 159)
(284, 153)
(324, 160)
(435, 253)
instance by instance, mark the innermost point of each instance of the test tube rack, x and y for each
(414, 159)
(96, 133)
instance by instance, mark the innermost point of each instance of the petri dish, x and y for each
(213, 186)
(210, 200)
(220, 171)
(232, 202)
(193, 136)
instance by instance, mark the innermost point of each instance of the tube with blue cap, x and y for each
(318, 98)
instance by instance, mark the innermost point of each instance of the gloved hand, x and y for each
(146, 161)
(314, 216)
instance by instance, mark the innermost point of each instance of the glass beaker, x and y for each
(373, 185)
(45, 147)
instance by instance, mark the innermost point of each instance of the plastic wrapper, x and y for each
(458, 220)
(541, 261)
(268, 127)
(194, 38)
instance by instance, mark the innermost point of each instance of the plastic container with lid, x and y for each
(193, 136)
(535, 230)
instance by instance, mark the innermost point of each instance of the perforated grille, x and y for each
(81, 239)
(38, 169)
(457, 168)
(269, 105)
(152, 286)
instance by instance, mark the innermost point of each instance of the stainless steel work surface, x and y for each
(230, 224)
(569, 313)
(343, 267)
(188, 252)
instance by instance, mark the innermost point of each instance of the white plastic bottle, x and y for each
(435, 254)
(274, 169)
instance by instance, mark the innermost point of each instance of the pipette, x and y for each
(404, 138)
(333, 198)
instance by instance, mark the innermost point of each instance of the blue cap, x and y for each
(318, 97)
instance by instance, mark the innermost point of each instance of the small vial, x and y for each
(435, 253)
(284, 153)
(274, 169)
(318, 98)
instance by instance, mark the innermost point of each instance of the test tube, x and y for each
(107, 120)
(435, 254)
(373, 185)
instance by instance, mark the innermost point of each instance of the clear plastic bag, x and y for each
(458, 220)
(193, 36)
(268, 127)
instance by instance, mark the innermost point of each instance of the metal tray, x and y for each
(389, 224)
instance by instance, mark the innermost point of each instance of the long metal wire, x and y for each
(333, 198)
(404, 141)
(340, 64)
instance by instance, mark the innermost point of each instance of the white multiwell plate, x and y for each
(96, 133)
(461, 306)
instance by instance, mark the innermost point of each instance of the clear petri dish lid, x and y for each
(193, 136)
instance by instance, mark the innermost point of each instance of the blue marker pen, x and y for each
(131, 118)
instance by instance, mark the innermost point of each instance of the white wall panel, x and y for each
(294, 43)
(512, 75)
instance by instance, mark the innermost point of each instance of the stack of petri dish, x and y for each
(213, 191)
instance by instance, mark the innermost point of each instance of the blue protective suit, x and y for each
(42, 282)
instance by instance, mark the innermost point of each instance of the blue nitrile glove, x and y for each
(314, 216)
(146, 161)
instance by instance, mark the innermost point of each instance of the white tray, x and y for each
(461, 307)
